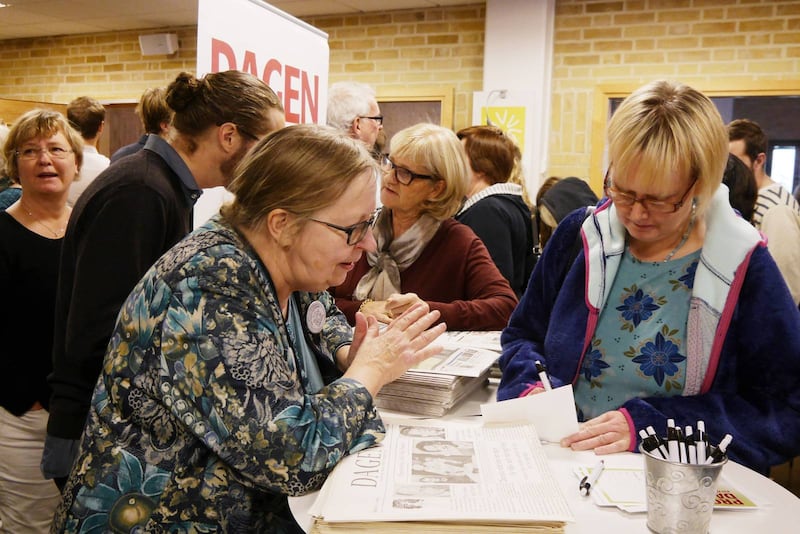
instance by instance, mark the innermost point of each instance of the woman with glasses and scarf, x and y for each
(231, 380)
(674, 308)
(43, 155)
(422, 253)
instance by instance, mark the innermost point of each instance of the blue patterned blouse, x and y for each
(201, 421)
(638, 349)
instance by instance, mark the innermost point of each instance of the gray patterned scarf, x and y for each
(393, 255)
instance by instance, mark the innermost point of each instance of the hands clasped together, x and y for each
(385, 310)
(378, 357)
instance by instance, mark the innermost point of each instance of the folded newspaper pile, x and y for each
(438, 476)
(436, 385)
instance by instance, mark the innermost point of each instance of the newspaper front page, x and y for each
(446, 472)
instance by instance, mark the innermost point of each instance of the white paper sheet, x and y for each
(551, 412)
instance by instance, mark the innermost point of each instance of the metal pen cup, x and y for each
(680, 496)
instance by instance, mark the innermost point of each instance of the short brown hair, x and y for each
(491, 152)
(755, 140)
(86, 115)
(153, 109)
(38, 123)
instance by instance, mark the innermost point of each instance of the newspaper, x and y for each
(487, 340)
(458, 361)
(434, 386)
(446, 472)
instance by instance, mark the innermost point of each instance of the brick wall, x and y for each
(705, 43)
(597, 42)
(399, 50)
(107, 66)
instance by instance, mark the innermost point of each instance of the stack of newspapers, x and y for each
(443, 476)
(436, 385)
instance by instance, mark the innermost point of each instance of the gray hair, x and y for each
(346, 101)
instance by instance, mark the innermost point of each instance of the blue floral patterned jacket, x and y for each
(743, 361)
(200, 421)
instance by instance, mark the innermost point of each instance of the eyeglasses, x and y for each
(376, 118)
(627, 200)
(403, 175)
(32, 153)
(355, 233)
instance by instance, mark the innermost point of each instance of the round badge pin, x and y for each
(315, 317)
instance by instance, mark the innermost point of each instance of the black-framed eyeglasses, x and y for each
(377, 118)
(401, 174)
(621, 198)
(31, 153)
(356, 232)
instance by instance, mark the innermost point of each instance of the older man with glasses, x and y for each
(352, 108)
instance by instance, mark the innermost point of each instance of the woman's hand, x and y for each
(604, 434)
(375, 309)
(377, 358)
(396, 304)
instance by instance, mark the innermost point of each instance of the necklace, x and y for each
(683, 242)
(685, 234)
(58, 233)
(684, 237)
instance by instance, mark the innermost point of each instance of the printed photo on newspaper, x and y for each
(457, 361)
(450, 472)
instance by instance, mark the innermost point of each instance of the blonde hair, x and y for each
(39, 123)
(667, 129)
(301, 168)
(439, 152)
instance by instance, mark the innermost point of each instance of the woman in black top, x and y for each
(495, 209)
(43, 154)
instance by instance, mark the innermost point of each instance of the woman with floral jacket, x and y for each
(222, 391)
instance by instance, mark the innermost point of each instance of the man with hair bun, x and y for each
(127, 218)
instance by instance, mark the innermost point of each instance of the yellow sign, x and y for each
(510, 119)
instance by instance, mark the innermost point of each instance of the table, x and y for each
(780, 513)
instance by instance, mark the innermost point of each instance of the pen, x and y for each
(682, 457)
(719, 452)
(543, 375)
(662, 447)
(691, 446)
(672, 441)
(701, 442)
(650, 443)
(590, 480)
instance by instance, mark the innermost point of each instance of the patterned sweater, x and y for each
(200, 421)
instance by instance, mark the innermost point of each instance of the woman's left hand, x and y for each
(605, 434)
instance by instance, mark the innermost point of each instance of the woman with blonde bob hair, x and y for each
(422, 253)
(232, 380)
(670, 304)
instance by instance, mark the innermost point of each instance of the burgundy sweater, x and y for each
(455, 275)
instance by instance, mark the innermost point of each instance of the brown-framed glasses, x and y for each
(627, 200)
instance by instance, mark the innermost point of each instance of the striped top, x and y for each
(772, 195)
